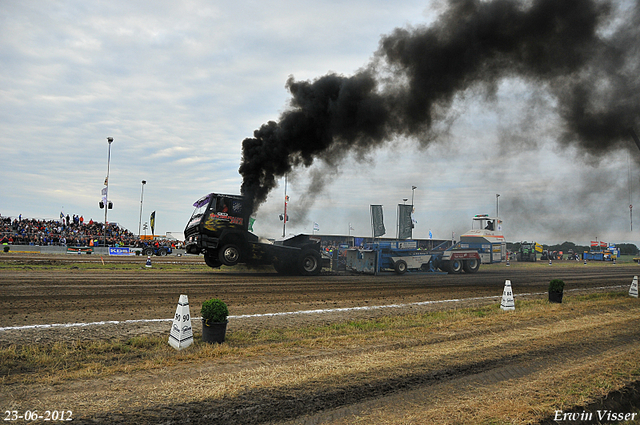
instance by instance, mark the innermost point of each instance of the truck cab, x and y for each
(219, 229)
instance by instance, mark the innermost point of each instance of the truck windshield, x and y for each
(201, 205)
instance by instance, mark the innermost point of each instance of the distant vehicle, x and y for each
(156, 250)
(529, 251)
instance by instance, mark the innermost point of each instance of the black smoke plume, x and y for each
(573, 49)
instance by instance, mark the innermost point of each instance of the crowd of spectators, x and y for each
(69, 231)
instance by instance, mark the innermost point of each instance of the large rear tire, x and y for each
(309, 262)
(212, 261)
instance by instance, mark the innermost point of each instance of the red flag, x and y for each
(594, 243)
(603, 244)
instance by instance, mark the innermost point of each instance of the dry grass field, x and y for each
(412, 349)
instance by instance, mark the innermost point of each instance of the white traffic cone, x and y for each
(633, 290)
(181, 335)
(508, 302)
(148, 262)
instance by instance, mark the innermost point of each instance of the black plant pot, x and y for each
(555, 297)
(213, 332)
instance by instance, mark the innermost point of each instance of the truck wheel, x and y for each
(162, 252)
(284, 268)
(455, 266)
(148, 251)
(212, 261)
(471, 266)
(401, 267)
(309, 262)
(444, 266)
(229, 255)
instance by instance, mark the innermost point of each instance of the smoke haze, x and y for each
(572, 51)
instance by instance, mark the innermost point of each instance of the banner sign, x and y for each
(405, 224)
(121, 251)
(77, 249)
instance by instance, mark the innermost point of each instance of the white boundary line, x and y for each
(286, 313)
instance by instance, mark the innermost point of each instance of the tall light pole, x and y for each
(106, 192)
(497, 206)
(413, 191)
(141, 197)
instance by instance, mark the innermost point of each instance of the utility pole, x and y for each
(286, 199)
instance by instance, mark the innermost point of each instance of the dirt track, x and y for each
(68, 296)
(33, 296)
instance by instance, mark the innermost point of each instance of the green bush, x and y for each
(214, 311)
(556, 285)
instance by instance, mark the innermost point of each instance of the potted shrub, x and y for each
(214, 320)
(556, 288)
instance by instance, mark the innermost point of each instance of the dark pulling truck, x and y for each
(219, 229)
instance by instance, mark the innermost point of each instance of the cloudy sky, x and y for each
(180, 85)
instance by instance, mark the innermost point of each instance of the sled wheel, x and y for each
(471, 266)
(401, 267)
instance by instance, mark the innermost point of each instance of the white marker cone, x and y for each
(633, 290)
(181, 335)
(508, 302)
(148, 262)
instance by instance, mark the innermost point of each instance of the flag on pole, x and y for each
(377, 221)
(430, 234)
(316, 227)
(251, 221)
(405, 224)
(152, 220)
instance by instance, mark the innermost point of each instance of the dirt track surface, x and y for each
(47, 296)
(432, 370)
